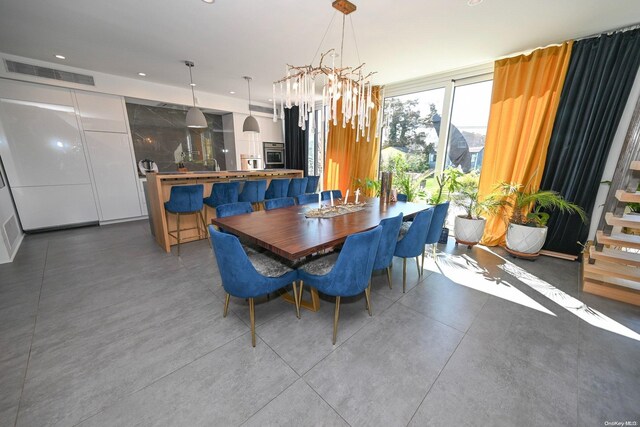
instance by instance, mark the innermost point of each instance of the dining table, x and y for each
(290, 234)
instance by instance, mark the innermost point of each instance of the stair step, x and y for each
(603, 270)
(615, 255)
(625, 196)
(635, 165)
(618, 239)
(610, 289)
(630, 221)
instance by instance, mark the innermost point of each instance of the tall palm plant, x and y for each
(529, 204)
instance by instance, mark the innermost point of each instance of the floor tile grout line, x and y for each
(33, 334)
(163, 376)
(323, 399)
(436, 379)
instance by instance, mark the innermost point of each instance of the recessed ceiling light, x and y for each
(142, 74)
(474, 2)
(232, 92)
(192, 84)
(270, 99)
(60, 57)
(209, 1)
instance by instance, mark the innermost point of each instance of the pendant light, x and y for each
(195, 118)
(250, 123)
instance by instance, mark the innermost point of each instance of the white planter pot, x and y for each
(527, 240)
(469, 231)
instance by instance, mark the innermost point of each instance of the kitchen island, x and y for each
(158, 189)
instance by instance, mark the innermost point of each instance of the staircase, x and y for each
(611, 267)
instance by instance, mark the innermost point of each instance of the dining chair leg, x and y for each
(335, 320)
(252, 317)
(178, 234)
(226, 305)
(389, 277)
(434, 251)
(295, 298)
(404, 275)
(300, 290)
(367, 297)
(423, 251)
(418, 266)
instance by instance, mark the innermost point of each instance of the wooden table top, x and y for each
(288, 233)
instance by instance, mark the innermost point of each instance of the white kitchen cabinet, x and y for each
(101, 112)
(115, 178)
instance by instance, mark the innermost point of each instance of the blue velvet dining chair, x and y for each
(387, 245)
(312, 183)
(346, 274)
(326, 195)
(305, 199)
(297, 186)
(249, 275)
(411, 241)
(277, 188)
(435, 228)
(185, 200)
(231, 209)
(402, 197)
(253, 192)
(281, 202)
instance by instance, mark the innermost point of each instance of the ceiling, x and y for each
(400, 39)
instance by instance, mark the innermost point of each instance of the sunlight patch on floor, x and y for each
(566, 301)
(465, 271)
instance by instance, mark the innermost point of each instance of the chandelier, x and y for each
(351, 85)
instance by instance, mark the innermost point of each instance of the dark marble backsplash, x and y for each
(160, 134)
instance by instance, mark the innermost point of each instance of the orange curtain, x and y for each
(347, 161)
(526, 93)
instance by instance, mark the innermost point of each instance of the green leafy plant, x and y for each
(410, 186)
(448, 181)
(529, 204)
(466, 197)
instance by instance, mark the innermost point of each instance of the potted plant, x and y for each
(527, 223)
(469, 227)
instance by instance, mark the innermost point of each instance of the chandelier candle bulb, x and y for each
(273, 97)
(281, 101)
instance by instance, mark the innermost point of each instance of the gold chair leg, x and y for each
(404, 275)
(367, 297)
(178, 234)
(434, 251)
(418, 266)
(252, 316)
(389, 277)
(335, 320)
(226, 305)
(295, 297)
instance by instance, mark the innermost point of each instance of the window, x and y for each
(468, 128)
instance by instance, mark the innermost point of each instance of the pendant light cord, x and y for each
(193, 94)
(249, 86)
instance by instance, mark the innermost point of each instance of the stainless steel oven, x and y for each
(273, 155)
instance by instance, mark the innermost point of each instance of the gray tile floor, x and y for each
(99, 327)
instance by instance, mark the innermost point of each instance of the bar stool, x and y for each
(297, 186)
(312, 183)
(253, 192)
(277, 188)
(223, 193)
(185, 200)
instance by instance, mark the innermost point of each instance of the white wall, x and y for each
(249, 142)
(614, 155)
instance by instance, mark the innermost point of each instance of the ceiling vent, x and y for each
(261, 109)
(48, 73)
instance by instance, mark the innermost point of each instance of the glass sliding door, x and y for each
(410, 138)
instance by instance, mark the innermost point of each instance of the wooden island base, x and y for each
(159, 188)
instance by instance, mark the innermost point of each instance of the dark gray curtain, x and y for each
(295, 141)
(600, 76)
